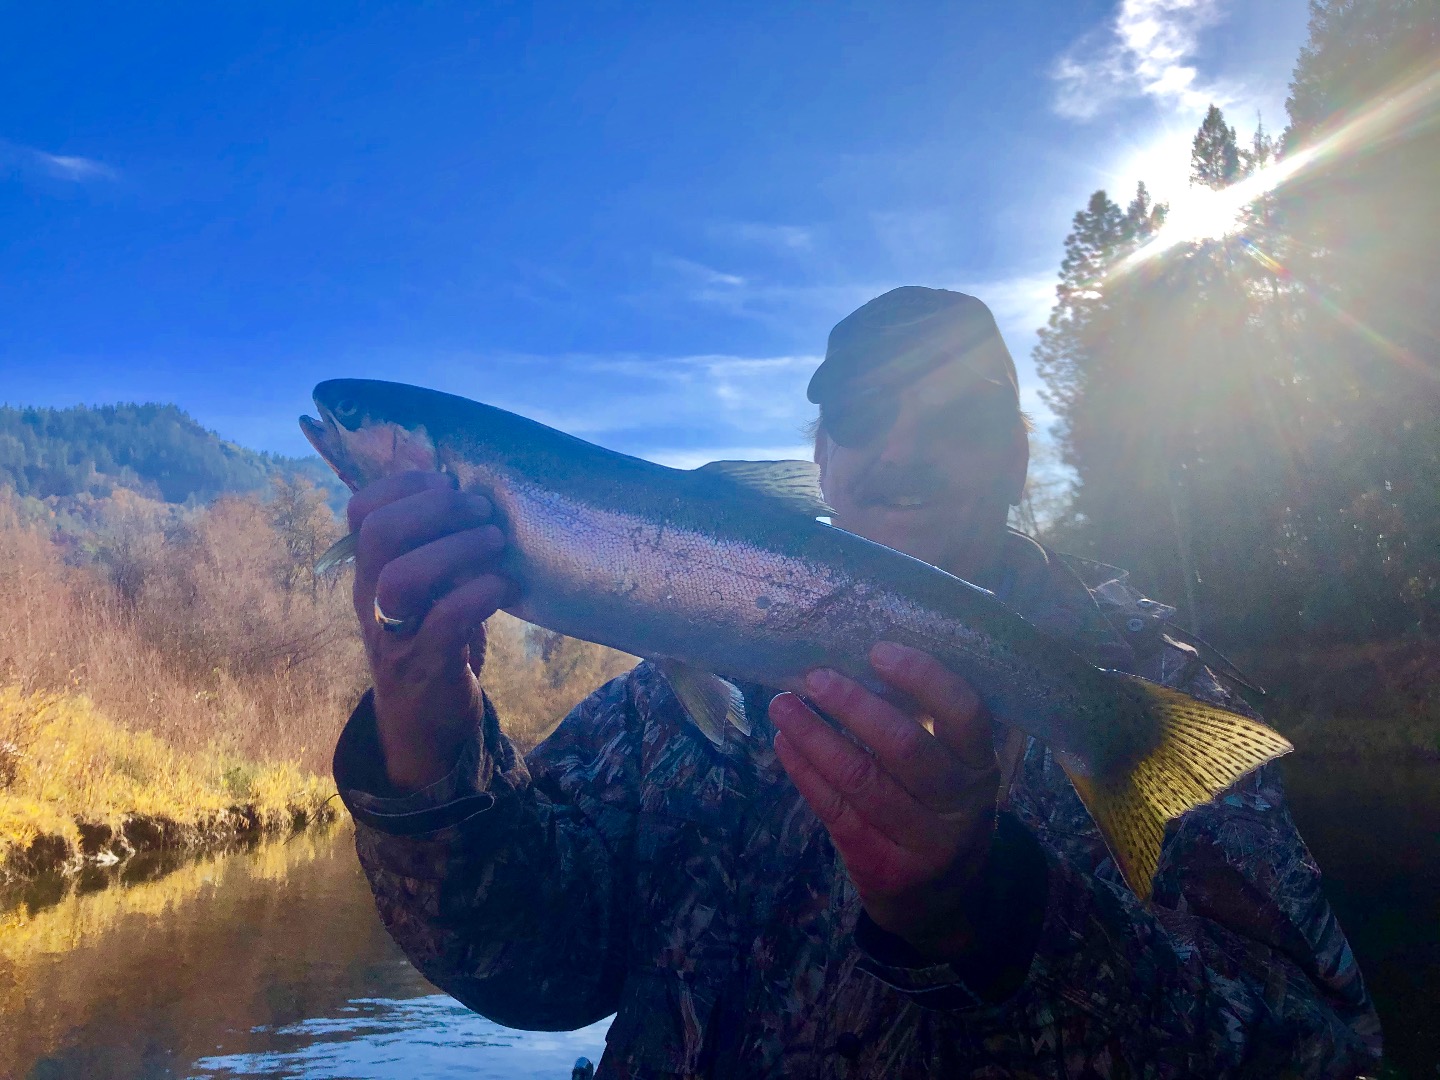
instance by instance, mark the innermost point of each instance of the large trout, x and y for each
(725, 568)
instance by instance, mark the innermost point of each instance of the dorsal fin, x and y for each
(794, 483)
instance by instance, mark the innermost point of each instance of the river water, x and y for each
(272, 962)
(267, 963)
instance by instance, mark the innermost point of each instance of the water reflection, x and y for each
(273, 963)
(432, 1036)
(1374, 829)
(267, 963)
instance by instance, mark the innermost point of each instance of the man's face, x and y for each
(938, 480)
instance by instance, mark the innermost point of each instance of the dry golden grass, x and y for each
(171, 663)
(76, 766)
(182, 628)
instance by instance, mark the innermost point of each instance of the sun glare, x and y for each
(1197, 213)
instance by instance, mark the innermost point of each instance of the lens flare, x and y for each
(1204, 214)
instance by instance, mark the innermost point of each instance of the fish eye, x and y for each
(345, 409)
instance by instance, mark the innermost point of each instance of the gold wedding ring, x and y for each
(393, 625)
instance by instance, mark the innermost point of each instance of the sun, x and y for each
(1193, 213)
(1197, 214)
(1162, 163)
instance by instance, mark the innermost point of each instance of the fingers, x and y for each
(407, 522)
(389, 488)
(925, 764)
(453, 623)
(960, 719)
(868, 853)
(865, 783)
(409, 583)
(401, 524)
(899, 741)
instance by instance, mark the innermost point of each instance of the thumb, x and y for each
(476, 650)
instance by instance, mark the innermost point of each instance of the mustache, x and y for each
(883, 482)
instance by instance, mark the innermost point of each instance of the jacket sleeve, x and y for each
(505, 882)
(1236, 967)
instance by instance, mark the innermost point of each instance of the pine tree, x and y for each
(1063, 355)
(1215, 154)
(1104, 359)
(1254, 419)
(1261, 151)
(1164, 375)
(1362, 222)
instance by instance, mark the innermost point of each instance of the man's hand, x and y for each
(912, 815)
(428, 554)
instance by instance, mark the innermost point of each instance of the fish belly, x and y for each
(656, 590)
(737, 608)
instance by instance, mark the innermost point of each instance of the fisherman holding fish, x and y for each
(852, 816)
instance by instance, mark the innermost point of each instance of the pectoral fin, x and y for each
(1202, 751)
(337, 554)
(707, 699)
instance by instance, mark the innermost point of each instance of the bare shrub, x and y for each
(209, 629)
(183, 627)
(535, 676)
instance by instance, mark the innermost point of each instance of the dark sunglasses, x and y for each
(978, 420)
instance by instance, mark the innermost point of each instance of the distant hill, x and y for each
(156, 450)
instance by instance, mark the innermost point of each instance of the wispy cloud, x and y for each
(705, 276)
(637, 403)
(783, 238)
(1020, 303)
(687, 410)
(694, 458)
(1148, 50)
(28, 161)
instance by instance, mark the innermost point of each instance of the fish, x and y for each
(725, 573)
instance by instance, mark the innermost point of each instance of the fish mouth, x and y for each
(324, 436)
(315, 433)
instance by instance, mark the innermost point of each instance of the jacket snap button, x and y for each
(848, 1046)
(1136, 624)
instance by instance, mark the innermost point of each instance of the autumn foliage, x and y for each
(171, 662)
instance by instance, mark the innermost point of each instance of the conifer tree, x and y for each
(1215, 154)
(1254, 419)
(1363, 235)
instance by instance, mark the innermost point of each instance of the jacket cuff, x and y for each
(461, 794)
(1007, 912)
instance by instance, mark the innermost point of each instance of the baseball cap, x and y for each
(906, 333)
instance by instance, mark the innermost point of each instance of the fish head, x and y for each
(368, 429)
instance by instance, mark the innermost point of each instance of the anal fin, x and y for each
(1201, 751)
(710, 701)
(338, 553)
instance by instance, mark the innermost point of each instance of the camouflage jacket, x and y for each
(628, 866)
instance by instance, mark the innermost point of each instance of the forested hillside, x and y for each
(156, 450)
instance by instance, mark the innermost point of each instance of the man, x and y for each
(887, 894)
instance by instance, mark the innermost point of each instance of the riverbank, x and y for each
(80, 790)
(264, 960)
(175, 678)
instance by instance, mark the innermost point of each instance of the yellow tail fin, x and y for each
(1202, 750)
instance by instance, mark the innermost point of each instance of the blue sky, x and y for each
(634, 221)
